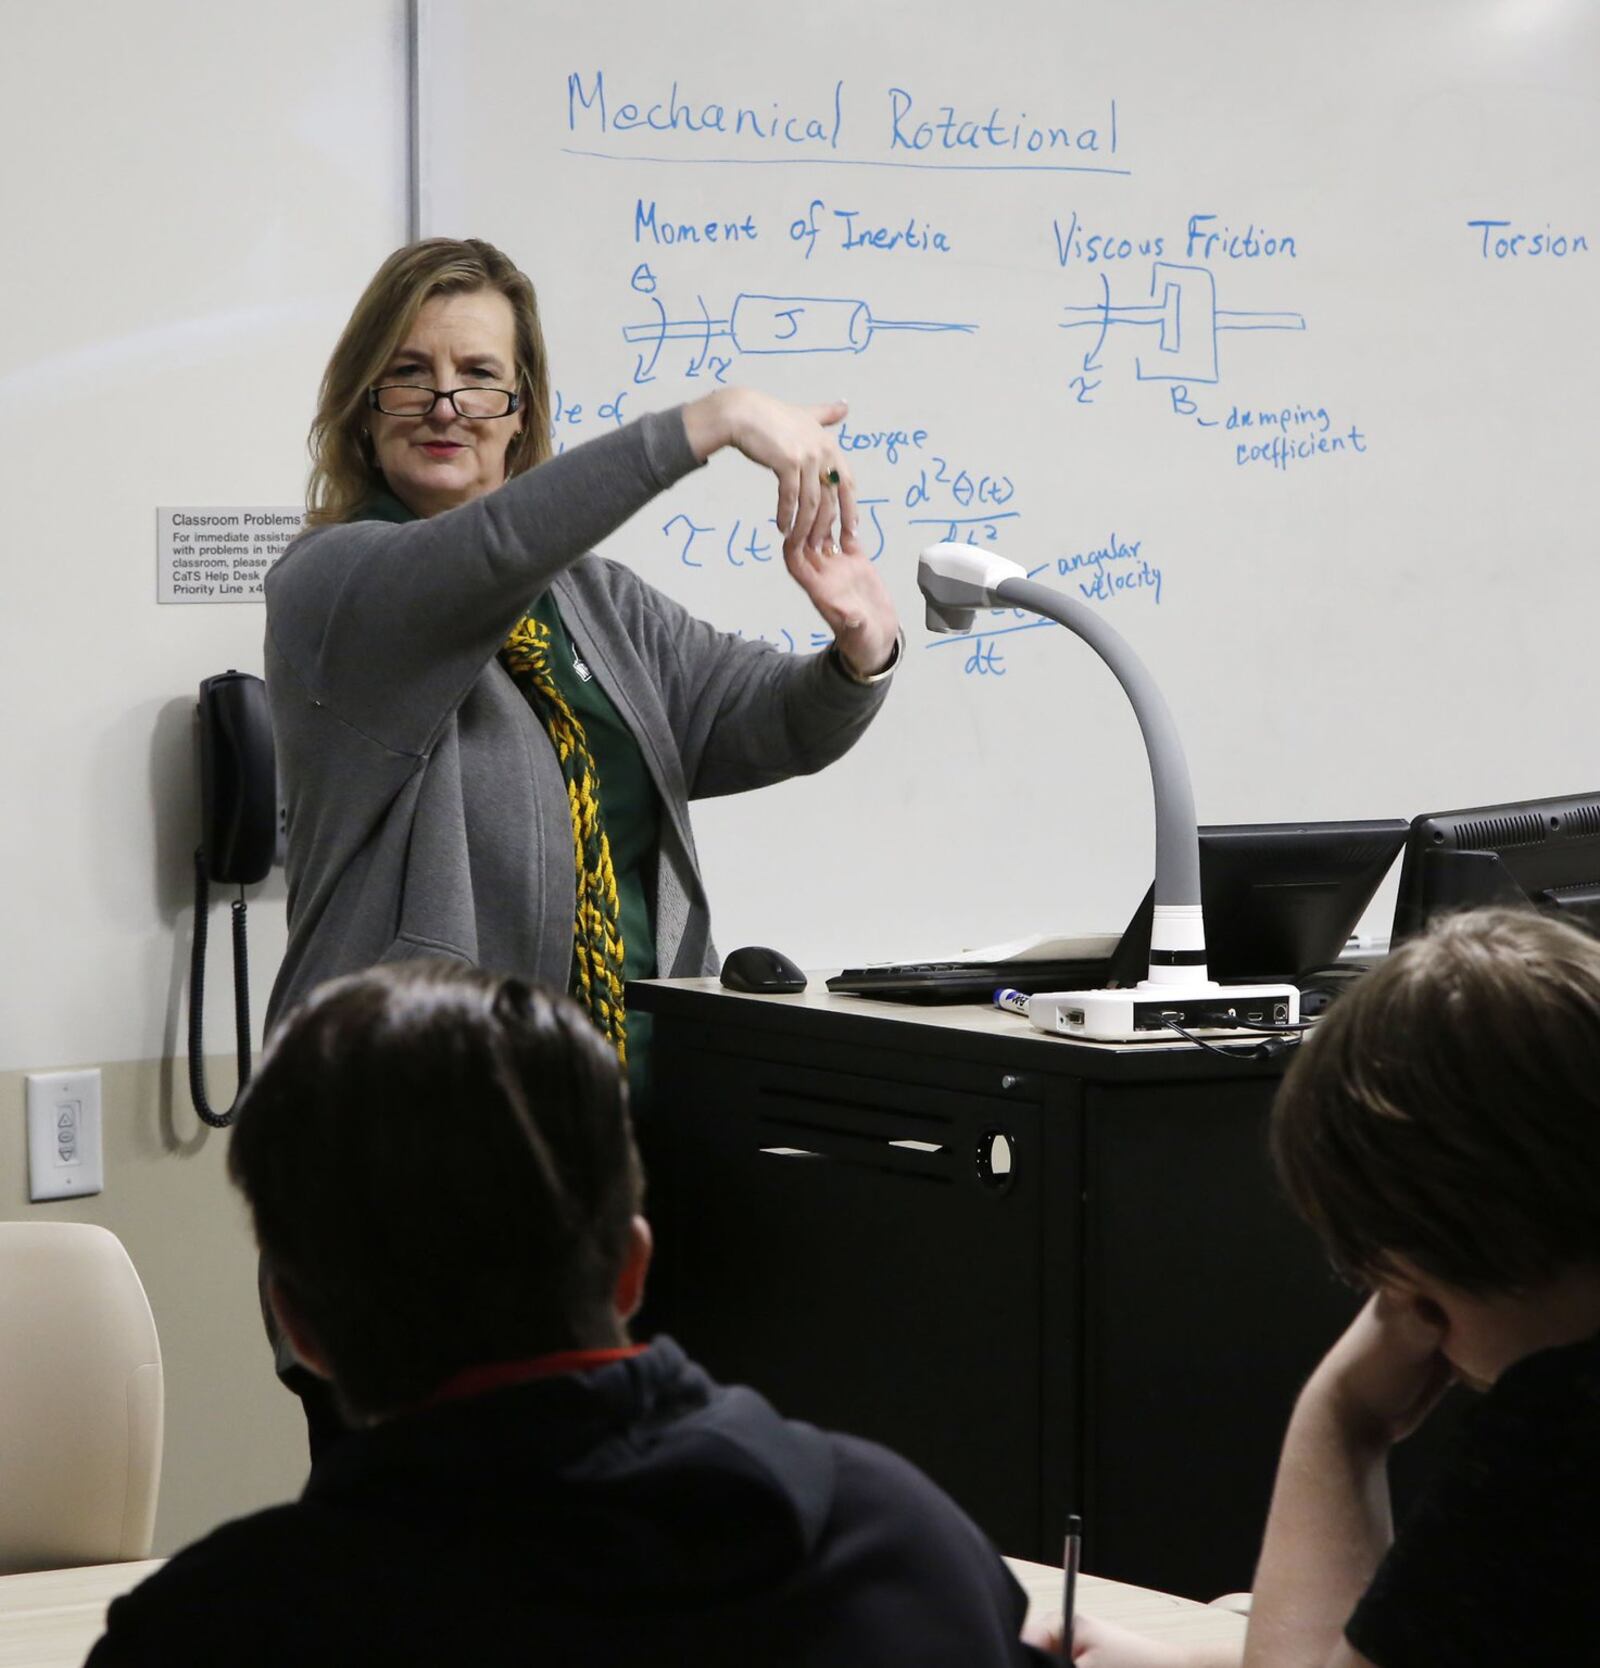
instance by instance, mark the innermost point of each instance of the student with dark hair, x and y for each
(443, 1179)
(1441, 1133)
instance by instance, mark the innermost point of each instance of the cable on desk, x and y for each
(1282, 1039)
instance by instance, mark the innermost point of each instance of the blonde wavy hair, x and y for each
(343, 470)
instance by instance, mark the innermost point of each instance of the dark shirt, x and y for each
(630, 1515)
(1500, 1561)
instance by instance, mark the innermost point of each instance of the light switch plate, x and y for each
(64, 1158)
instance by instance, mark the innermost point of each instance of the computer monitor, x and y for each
(1544, 852)
(1279, 898)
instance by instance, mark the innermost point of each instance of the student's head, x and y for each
(435, 312)
(442, 1174)
(1441, 1131)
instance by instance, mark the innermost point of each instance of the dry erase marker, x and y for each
(1069, 1592)
(1013, 1001)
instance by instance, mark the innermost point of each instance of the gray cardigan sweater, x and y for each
(427, 815)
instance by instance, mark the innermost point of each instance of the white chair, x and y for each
(80, 1399)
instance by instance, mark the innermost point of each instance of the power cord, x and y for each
(1280, 1039)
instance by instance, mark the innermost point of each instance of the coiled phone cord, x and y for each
(197, 997)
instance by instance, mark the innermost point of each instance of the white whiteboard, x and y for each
(1220, 345)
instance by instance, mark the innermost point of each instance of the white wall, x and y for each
(194, 196)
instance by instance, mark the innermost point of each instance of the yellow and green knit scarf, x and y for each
(596, 934)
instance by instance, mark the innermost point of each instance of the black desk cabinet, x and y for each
(1117, 1323)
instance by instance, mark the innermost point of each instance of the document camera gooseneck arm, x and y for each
(956, 580)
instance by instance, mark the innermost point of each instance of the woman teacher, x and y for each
(486, 734)
(488, 737)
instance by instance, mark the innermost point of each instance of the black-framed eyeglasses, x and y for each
(408, 399)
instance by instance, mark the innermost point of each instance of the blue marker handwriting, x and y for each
(1102, 573)
(1297, 433)
(984, 658)
(1294, 433)
(1074, 243)
(1110, 582)
(648, 225)
(567, 414)
(688, 529)
(895, 127)
(588, 104)
(1501, 243)
(1115, 568)
(781, 324)
(1314, 417)
(1284, 449)
(948, 481)
(966, 529)
(888, 441)
(913, 235)
(757, 540)
(1206, 240)
(985, 661)
(1178, 325)
(948, 130)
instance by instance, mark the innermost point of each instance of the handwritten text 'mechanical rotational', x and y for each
(895, 123)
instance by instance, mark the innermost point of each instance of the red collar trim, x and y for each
(499, 1375)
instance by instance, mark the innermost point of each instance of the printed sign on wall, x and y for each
(220, 555)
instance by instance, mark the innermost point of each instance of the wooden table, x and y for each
(51, 1619)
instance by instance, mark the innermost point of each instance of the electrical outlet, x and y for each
(64, 1157)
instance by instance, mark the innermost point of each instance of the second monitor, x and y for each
(1279, 898)
(1544, 852)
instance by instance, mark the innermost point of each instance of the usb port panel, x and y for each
(1212, 1014)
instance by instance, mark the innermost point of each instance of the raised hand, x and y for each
(794, 443)
(816, 510)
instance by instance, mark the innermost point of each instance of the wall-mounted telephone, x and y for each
(238, 835)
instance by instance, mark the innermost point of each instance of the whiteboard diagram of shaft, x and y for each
(787, 324)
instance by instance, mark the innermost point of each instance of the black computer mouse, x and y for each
(756, 968)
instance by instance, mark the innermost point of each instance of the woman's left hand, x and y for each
(847, 590)
(816, 495)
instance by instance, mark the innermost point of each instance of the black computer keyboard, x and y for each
(967, 981)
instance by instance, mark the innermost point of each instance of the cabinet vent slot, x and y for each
(845, 1113)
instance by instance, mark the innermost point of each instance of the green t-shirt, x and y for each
(628, 800)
